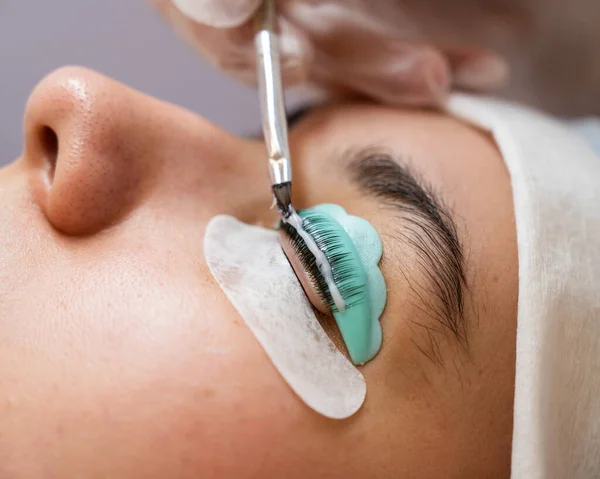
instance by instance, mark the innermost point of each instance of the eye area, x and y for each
(310, 285)
(339, 256)
(308, 279)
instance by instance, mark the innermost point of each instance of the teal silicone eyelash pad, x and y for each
(364, 290)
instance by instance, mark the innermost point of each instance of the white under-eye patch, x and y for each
(251, 269)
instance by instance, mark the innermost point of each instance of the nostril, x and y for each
(49, 143)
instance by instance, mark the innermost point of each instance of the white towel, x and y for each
(589, 128)
(555, 176)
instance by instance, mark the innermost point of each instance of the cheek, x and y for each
(211, 403)
(240, 419)
(140, 390)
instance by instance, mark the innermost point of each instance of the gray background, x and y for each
(124, 39)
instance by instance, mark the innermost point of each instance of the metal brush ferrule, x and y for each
(271, 96)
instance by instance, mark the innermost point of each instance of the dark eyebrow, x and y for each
(428, 227)
(294, 116)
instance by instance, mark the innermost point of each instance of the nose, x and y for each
(97, 150)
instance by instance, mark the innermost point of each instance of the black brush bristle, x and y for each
(342, 265)
(283, 197)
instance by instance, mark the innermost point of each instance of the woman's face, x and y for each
(121, 356)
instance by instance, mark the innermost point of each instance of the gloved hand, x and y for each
(413, 51)
(384, 49)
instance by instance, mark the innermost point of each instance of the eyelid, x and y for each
(326, 320)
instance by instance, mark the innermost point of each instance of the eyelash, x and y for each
(339, 259)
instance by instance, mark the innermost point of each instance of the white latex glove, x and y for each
(413, 51)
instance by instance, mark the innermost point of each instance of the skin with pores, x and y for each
(121, 355)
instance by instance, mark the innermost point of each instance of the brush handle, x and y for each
(270, 90)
